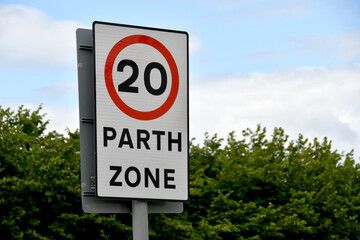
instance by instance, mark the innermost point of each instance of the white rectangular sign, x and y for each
(141, 109)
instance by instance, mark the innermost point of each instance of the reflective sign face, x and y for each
(141, 99)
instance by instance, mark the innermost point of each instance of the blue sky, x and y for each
(291, 64)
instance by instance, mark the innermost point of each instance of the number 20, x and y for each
(126, 86)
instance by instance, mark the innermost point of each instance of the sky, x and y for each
(289, 64)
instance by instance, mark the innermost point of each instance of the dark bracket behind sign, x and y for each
(91, 203)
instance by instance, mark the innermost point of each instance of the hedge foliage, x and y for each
(258, 187)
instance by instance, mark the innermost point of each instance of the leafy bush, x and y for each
(269, 188)
(40, 195)
(258, 187)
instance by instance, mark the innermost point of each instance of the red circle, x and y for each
(114, 52)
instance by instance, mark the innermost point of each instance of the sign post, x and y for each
(140, 220)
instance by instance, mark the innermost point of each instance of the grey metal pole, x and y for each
(140, 220)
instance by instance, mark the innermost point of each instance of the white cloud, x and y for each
(344, 46)
(264, 9)
(316, 102)
(57, 91)
(31, 38)
(194, 43)
(62, 117)
(284, 8)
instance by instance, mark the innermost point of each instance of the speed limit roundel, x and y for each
(126, 86)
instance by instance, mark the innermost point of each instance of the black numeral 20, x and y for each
(126, 86)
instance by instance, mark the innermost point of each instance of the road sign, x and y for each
(141, 112)
(91, 203)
